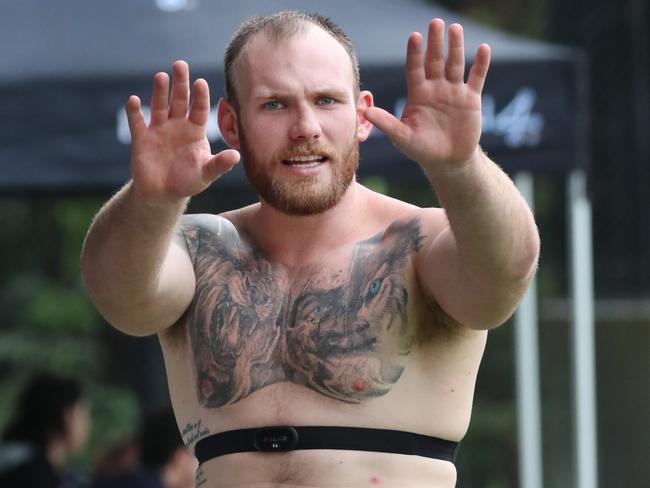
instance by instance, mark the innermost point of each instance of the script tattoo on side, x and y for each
(343, 336)
(193, 431)
(201, 478)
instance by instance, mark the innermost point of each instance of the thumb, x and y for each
(219, 164)
(386, 122)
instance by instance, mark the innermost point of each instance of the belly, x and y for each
(326, 468)
(289, 404)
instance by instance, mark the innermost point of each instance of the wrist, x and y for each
(439, 171)
(161, 205)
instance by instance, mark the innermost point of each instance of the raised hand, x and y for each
(171, 158)
(440, 126)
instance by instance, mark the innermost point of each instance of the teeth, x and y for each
(304, 159)
(305, 165)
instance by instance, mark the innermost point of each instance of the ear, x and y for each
(364, 127)
(227, 118)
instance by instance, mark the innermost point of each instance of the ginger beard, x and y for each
(304, 195)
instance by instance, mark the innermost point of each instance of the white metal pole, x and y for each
(586, 452)
(527, 371)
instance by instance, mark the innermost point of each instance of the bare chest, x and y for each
(341, 328)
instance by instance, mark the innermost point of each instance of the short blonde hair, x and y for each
(281, 26)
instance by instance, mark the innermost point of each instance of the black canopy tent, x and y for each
(69, 66)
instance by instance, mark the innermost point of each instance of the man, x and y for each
(338, 327)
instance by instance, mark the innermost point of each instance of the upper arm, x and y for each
(198, 238)
(165, 304)
(177, 283)
(473, 303)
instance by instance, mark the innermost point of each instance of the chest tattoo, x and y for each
(341, 333)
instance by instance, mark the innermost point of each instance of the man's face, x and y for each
(297, 120)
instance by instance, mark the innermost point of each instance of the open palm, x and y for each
(171, 158)
(441, 122)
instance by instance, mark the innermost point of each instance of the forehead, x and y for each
(307, 60)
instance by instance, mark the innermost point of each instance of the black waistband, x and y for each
(284, 438)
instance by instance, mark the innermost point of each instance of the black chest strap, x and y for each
(285, 438)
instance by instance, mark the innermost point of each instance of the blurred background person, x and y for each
(164, 461)
(51, 422)
(118, 458)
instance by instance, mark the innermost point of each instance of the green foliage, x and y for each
(48, 307)
(48, 322)
(376, 183)
(63, 353)
(421, 195)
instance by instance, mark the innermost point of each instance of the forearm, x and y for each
(123, 255)
(494, 230)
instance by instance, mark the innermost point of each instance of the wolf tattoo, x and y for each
(250, 326)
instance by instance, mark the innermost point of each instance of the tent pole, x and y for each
(527, 371)
(582, 287)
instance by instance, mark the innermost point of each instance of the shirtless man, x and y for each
(325, 305)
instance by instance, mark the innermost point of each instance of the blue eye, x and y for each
(273, 105)
(326, 101)
(374, 288)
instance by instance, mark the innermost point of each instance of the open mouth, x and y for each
(309, 161)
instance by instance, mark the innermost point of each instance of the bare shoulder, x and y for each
(432, 220)
(211, 223)
(199, 230)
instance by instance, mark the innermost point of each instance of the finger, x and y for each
(180, 97)
(435, 56)
(135, 117)
(478, 71)
(219, 164)
(455, 67)
(396, 130)
(159, 98)
(200, 109)
(414, 67)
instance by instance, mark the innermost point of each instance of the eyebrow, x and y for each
(320, 92)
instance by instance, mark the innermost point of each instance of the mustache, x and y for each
(305, 149)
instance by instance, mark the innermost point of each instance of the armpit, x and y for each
(435, 324)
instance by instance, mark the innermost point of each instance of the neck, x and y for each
(296, 239)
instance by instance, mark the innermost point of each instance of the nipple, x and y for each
(206, 388)
(360, 384)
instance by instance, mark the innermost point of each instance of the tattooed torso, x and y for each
(339, 329)
(335, 342)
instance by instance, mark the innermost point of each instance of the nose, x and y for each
(306, 125)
